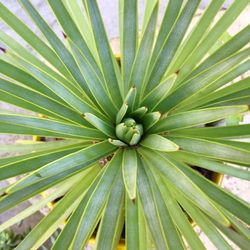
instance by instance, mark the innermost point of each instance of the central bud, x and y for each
(129, 131)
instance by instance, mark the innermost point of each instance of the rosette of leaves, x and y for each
(145, 118)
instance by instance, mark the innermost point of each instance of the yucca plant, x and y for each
(134, 128)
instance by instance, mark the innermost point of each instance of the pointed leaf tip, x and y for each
(117, 143)
(3, 49)
(64, 35)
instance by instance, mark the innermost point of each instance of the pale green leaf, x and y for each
(129, 171)
(159, 143)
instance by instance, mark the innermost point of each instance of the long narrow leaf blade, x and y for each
(129, 171)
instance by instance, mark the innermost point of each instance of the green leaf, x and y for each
(212, 89)
(83, 157)
(227, 93)
(178, 216)
(170, 16)
(223, 39)
(154, 97)
(61, 189)
(149, 6)
(237, 131)
(140, 112)
(75, 10)
(196, 35)
(226, 200)
(121, 113)
(213, 165)
(66, 236)
(110, 229)
(57, 45)
(196, 117)
(159, 143)
(96, 202)
(60, 212)
(171, 233)
(143, 54)
(240, 241)
(67, 94)
(149, 208)
(237, 144)
(171, 44)
(129, 171)
(150, 120)
(93, 82)
(236, 43)
(241, 97)
(129, 37)
(117, 143)
(238, 225)
(31, 125)
(73, 32)
(196, 87)
(130, 98)
(105, 53)
(33, 40)
(170, 171)
(20, 195)
(27, 146)
(34, 161)
(101, 125)
(213, 149)
(26, 79)
(202, 221)
(211, 37)
(21, 51)
(145, 237)
(131, 223)
(34, 101)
